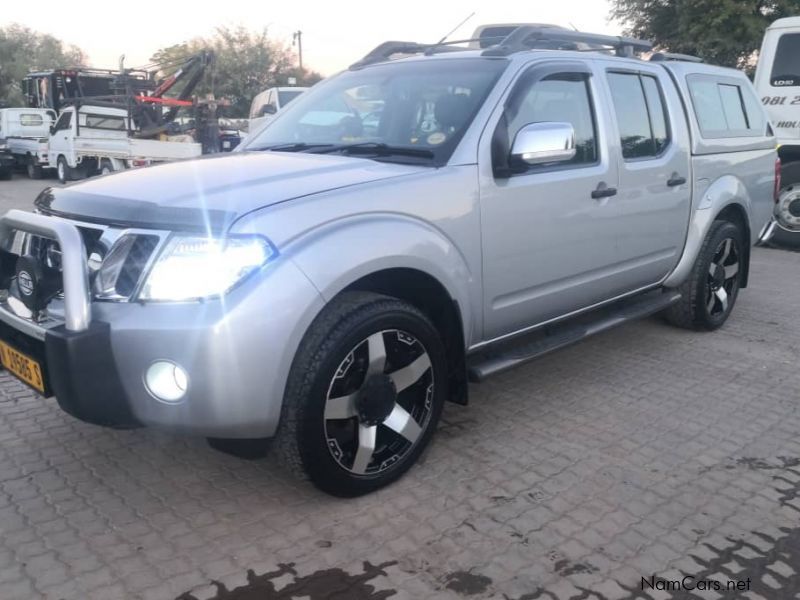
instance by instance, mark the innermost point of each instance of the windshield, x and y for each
(424, 106)
(786, 68)
(285, 97)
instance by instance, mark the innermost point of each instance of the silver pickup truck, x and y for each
(404, 227)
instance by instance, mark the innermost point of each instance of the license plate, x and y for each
(24, 367)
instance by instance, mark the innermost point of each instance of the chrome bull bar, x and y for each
(74, 267)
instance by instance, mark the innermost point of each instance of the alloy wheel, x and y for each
(723, 278)
(379, 402)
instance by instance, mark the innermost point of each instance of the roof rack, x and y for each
(523, 38)
(386, 50)
(665, 56)
(520, 39)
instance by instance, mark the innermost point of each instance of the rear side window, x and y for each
(786, 68)
(725, 108)
(641, 118)
(31, 120)
(105, 122)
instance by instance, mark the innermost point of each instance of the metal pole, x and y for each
(298, 37)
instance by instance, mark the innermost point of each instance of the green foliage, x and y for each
(22, 50)
(247, 63)
(724, 32)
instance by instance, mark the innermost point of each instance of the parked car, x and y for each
(267, 104)
(332, 288)
(26, 131)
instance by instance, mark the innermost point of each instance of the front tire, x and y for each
(710, 291)
(63, 170)
(364, 394)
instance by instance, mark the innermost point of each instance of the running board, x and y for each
(506, 355)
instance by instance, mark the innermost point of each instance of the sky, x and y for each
(336, 33)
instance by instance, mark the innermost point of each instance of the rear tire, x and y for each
(364, 394)
(106, 168)
(33, 168)
(710, 291)
(790, 182)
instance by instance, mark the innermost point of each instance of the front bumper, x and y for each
(237, 350)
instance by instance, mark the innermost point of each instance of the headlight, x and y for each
(195, 267)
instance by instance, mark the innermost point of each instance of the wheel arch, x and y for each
(429, 295)
(726, 199)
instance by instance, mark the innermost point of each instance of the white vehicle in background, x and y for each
(99, 141)
(26, 132)
(269, 102)
(777, 81)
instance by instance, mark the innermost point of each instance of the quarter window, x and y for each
(641, 118)
(563, 98)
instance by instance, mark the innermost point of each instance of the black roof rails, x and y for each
(386, 50)
(522, 38)
(665, 56)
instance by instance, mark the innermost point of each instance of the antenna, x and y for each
(441, 41)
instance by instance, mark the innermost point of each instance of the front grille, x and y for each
(135, 263)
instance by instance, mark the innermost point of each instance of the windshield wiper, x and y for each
(291, 147)
(379, 148)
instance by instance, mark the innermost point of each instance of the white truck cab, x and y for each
(100, 140)
(777, 81)
(269, 102)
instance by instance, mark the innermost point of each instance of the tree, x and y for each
(724, 32)
(246, 63)
(22, 50)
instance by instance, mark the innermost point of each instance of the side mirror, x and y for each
(268, 109)
(542, 143)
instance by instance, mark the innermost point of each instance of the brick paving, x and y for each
(644, 452)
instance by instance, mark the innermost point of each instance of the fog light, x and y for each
(166, 381)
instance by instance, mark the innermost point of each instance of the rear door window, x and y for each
(641, 118)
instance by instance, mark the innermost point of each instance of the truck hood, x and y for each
(209, 194)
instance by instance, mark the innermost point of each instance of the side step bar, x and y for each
(507, 355)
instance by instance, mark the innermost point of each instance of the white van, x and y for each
(777, 81)
(269, 102)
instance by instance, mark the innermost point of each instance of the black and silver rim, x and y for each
(787, 209)
(723, 278)
(379, 402)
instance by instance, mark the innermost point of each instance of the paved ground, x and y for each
(644, 452)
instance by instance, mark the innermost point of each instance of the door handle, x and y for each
(676, 180)
(603, 191)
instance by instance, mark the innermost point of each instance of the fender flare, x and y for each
(726, 192)
(367, 244)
